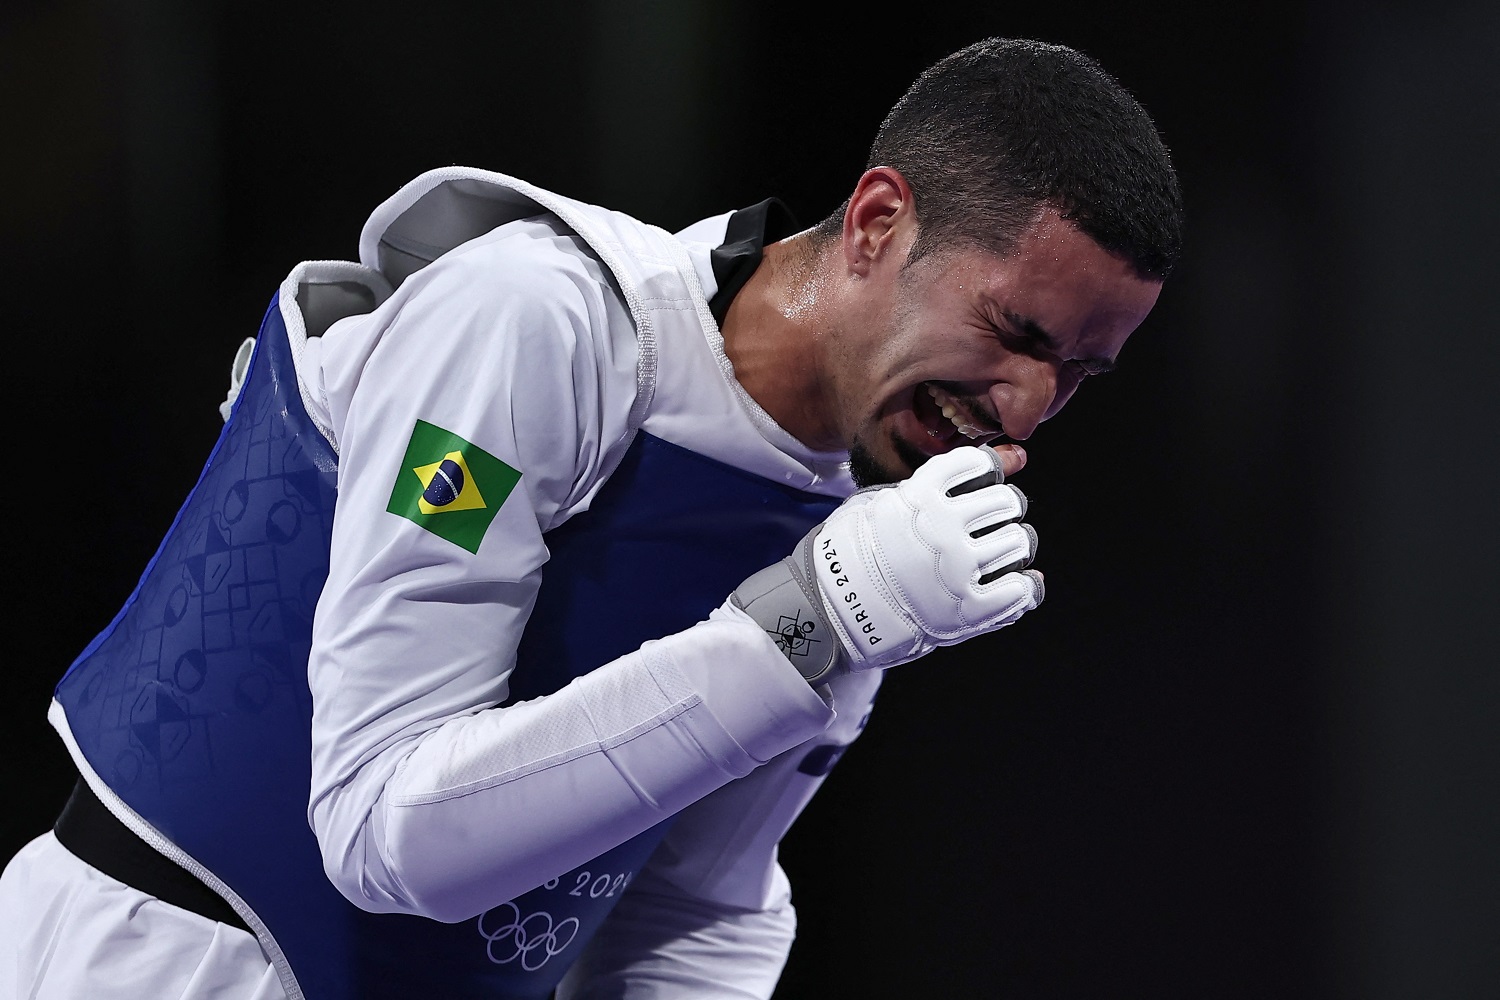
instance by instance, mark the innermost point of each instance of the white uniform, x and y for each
(522, 341)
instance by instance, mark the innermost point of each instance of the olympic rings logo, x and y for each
(533, 939)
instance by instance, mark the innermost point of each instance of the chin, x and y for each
(868, 470)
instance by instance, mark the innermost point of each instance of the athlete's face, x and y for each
(974, 348)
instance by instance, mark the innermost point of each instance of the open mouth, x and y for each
(948, 420)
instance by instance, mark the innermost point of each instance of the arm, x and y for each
(893, 573)
(427, 797)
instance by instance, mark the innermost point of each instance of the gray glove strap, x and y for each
(783, 599)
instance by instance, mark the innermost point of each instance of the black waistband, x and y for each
(91, 832)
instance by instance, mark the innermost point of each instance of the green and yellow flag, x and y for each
(450, 487)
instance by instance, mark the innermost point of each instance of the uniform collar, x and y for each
(734, 260)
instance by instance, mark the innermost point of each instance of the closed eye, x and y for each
(1033, 337)
(1091, 366)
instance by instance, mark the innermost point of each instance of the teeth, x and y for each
(952, 412)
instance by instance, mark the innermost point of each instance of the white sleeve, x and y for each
(711, 915)
(427, 797)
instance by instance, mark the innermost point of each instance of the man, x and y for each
(526, 703)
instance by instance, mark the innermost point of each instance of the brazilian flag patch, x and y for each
(450, 487)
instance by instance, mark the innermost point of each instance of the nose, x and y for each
(1026, 395)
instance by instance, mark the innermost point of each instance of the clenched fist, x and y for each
(899, 570)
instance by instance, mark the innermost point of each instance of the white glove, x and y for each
(897, 571)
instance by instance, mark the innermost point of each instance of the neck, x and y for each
(775, 333)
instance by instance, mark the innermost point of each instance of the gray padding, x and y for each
(324, 303)
(779, 599)
(454, 212)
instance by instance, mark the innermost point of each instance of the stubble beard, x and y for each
(867, 470)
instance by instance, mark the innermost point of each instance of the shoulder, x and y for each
(517, 341)
(525, 308)
(533, 269)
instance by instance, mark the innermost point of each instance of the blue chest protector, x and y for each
(193, 704)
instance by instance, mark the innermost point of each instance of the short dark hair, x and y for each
(988, 134)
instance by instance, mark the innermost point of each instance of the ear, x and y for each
(881, 219)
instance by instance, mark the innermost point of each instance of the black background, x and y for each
(1247, 748)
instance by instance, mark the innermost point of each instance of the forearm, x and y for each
(492, 804)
